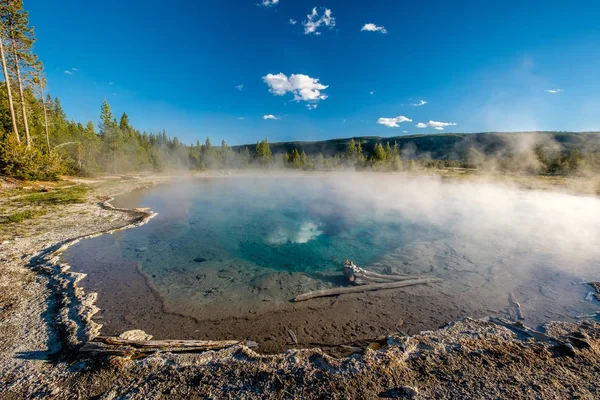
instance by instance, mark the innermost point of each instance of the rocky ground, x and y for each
(44, 317)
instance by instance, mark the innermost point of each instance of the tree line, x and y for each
(39, 142)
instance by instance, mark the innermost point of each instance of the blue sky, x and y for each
(482, 65)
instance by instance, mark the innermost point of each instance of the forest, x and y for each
(39, 142)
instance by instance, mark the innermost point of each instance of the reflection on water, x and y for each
(239, 244)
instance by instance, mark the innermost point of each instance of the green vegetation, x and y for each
(38, 142)
(67, 195)
(21, 216)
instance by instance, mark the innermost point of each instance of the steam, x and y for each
(484, 239)
(527, 228)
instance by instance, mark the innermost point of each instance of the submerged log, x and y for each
(359, 276)
(116, 345)
(364, 288)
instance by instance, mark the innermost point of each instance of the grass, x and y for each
(29, 203)
(67, 195)
(21, 216)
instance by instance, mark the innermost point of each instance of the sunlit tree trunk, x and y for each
(23, 108)
(10, 99)
(46, 121)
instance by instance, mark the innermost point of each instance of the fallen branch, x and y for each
(360, 276)
(364, 288)
(518, 326)
(115, 345)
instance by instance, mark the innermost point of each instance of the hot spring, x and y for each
(225, 255)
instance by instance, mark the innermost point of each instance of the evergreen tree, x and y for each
(40, 83)
(124, 123)
(388, 151)
(8, 89)
(304, 160)
(106, 117)
(378, 153)
(263, 153)
(15, 24)
(293, 159)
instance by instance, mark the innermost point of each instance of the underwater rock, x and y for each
(199, 259)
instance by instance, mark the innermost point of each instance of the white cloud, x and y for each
(393, 122)
(435, 125)
(311, 106)
(554, 90)
(419, 103)
(292, 21)
(241, 118)
(373, 28)
(302, 86)
(240, 86)
(371, 92)
(110, 83)
(314, 21)
(75, 69)
(442, 125)
(404, 131)
(68, 72)
(270, 116)
(269, 3)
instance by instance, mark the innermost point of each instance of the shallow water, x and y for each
(238, 246)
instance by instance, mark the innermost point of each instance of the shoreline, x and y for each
(76, 308)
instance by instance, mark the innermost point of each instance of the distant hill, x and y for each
(447, 145)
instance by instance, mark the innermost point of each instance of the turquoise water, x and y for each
(234, 246)
(284, 225)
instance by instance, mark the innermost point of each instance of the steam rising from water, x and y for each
(560, 225)
(229, 245)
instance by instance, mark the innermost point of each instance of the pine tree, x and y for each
(263, 153)
(304, 160)
(388, 151)
(294, 159)
(351, 150)
(15, 23)
(378, 153)
(359, 153)
(40, 83)
(106, 117)
(8, 90)
(124, 123)
(89, 128)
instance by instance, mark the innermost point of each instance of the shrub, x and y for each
(28, 164)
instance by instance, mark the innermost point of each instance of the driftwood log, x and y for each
(367, 281)
(359, 276)
(364, 288)
(118, 346)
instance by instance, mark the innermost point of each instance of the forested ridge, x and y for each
(38, 141)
